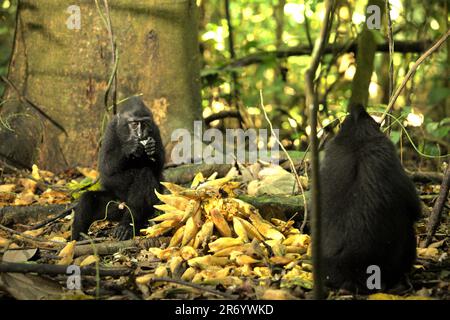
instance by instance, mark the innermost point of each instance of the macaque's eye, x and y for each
(134, 125)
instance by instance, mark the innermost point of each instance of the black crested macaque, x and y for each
(131, 162)
(369, 207)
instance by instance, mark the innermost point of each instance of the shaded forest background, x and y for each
(266, 45)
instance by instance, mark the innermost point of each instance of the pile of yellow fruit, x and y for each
(217, 238)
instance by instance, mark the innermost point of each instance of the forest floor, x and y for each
(269, 260)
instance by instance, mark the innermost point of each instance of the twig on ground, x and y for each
(31, 238)
(294, 170)
(53, 219)
(195, 286)
(111, 247)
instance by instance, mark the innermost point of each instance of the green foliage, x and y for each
(440, 129)
(438, 94)
(87, 184)
(255, 23)
(395, 136)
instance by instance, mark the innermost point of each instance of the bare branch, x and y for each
(411, 71)
(312, 105)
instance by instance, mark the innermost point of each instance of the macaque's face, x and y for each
(140, 129)
(135, 124)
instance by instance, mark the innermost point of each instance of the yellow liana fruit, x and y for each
(173, 188)
(207, 261)
(240, 230)
(168, 216)
(266, 229)
(178, 202)
(177, 237)
(224, 242)
(197, 180)
(220, 222)
(189, 274)
(204, 234)
(252, 232)
(189, 232)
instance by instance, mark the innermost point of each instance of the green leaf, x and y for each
(437, 94)
(82, 186)
(395, 136)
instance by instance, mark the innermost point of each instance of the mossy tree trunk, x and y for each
(65, 71)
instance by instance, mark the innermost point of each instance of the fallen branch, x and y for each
(277, 206)
(53, 219)
(426, 177)
(5, 167)
(195, 286)
(112, 247)
(29, 214)
(52, 269)
(435, 217)
(31, 238)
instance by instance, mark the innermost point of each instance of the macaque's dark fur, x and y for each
(369, 207)
(129, 172)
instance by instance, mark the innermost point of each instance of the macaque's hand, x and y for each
(123, 232)
(150, 147)
(131, 147)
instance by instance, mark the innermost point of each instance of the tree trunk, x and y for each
(66, 71)
(367, 47)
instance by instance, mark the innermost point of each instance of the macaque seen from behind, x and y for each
(369, 207)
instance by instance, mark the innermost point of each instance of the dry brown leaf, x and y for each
(4, 242)
(28, 184)
(277, 294)
(54, 197)
(66, 254)
(428, 253)
(89, 260)
(19, 255)
(145, 279)
(46, 174)
(437, 244)
(58, 239)
(7, 187)
(35, 172)
(30, 287)
(385, 296)
(34, 233)
(24, 199)
(88, 173)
